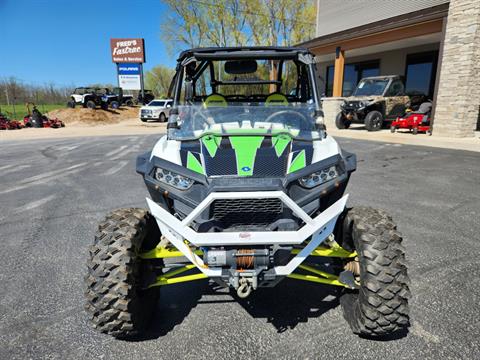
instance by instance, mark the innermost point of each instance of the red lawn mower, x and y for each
(415, 121)
(36, 119)
(7, 124)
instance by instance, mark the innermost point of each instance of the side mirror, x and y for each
(169, 106)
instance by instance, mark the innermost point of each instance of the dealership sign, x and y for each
(129, 76)
(127, 50)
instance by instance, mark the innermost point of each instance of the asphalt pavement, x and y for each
(53, 193)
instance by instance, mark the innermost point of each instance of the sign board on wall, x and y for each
(129, 76)
(127, 50)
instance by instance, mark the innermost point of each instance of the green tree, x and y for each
(194, 23)
(158, 80)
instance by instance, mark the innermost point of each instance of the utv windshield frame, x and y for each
(191, 64)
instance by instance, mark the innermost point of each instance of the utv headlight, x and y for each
(173, 179)
(364, 104)
(319, 177)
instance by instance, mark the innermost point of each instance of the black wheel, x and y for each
(415, 131)
(429, 132)
(91, 104)
(143, 120)
(118, 302)
(374, 120)
(162, 117)
(341, 122)
(380, 306)
(114, 104)
(71, 104)
(129, 103)
(393, 129)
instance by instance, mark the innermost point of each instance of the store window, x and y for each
(420, 73)
(352, 75)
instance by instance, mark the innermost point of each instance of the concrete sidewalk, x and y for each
(407, 138)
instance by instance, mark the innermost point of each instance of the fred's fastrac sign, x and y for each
(127, 50)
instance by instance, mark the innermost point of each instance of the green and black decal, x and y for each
(246, 155)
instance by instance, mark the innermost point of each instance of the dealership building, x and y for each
(434, 44)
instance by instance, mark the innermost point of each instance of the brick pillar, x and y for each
(458, 98)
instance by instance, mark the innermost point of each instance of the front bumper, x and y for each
(149, 115)
(316, 229)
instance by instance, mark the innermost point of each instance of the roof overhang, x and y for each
(410, 25)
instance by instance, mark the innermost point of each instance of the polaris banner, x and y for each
(129, 76)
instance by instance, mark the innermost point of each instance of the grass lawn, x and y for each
(21, 110)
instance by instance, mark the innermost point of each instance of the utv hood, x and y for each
(249, 155)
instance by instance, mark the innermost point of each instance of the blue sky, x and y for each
(68, 42)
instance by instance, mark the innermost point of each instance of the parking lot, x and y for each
(53, 193)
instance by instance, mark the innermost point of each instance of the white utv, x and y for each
(88, 97)
(247, 189)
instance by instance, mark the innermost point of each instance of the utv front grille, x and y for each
(246, 212)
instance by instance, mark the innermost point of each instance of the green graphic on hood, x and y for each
(281, 142)
(211, 143)
(245, 150)
(193, 164)
(298, 162)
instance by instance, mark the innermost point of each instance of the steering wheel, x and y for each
(304, 123)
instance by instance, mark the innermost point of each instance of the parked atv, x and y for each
(88, 98)
(246, 189)
(145, 99)
(115, 98)
(376, 101)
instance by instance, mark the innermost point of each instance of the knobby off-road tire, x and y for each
(380, 306)
(116, 303)
(374, 121)
(341, 121)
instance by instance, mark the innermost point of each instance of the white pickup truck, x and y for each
(156, 110)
